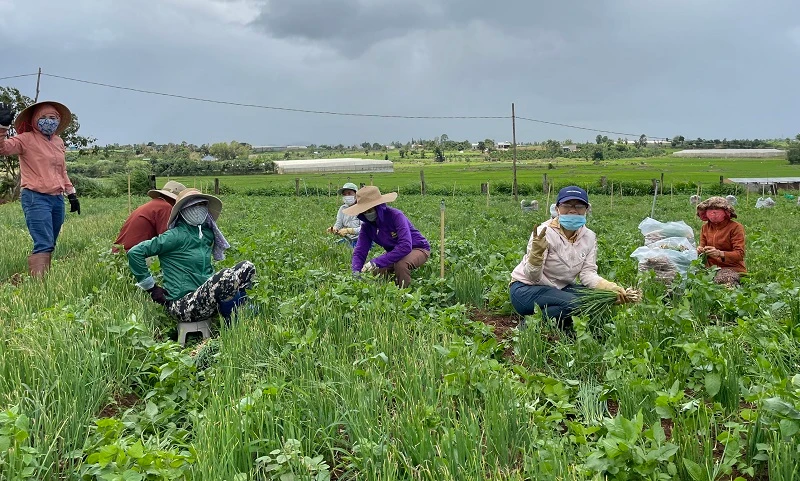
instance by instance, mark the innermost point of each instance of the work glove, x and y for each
(624, 296)
(158, 295)
(6, 116)
(369, 267)
(74, 204)
(539, 246)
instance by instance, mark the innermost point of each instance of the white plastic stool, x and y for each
(187, 327)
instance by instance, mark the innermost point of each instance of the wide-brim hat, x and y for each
(368, 197)
(171, 189)
(191, 196)
(715, 202)
(24, 117)
(347, 186)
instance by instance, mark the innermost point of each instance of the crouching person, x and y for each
(192, 291)
(406, 248)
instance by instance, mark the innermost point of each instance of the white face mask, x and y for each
(349, 200)
(371, 216)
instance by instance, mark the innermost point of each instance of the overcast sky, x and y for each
(700, 68)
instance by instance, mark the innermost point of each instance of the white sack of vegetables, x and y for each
(654, 231)
(666, 257)
(763, 203)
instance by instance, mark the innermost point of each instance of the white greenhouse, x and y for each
(731, 153)
(324, 166)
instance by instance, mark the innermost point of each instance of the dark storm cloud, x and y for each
(710, 68)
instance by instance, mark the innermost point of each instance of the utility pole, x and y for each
(514, 140)
(38, 81)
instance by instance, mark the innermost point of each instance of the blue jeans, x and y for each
(44, 215)
(555, 303)
(350, 243)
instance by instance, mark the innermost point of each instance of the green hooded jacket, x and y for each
(184, 255)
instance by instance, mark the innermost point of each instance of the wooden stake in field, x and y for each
(612, 197)
(548, 196)
(487, 193)
(129, 194)
(441, 241)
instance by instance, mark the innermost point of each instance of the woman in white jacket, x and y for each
(560, 251)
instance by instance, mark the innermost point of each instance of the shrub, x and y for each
(793, 153)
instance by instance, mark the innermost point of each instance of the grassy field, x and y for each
(467, 177)
(330, 377)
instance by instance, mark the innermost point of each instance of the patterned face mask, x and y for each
(48, 126)
(195, 214)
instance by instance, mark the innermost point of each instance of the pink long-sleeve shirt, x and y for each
(42, 162)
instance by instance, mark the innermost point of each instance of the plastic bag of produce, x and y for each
(666, 257)
(654, 231)
(763, 203)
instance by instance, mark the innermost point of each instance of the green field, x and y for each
(467, 177)
(330, 377)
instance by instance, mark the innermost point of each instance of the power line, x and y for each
(584, 128)
(19, 76)
(284, 109)
(327, 112)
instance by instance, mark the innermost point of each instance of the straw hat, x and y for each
(170, 190)
(715, 203)
(24, 117)
(347, 186)
(368, 197)
(188, 195)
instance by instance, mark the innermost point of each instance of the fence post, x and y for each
(216, 185)
(152, 182)
(297, 186)
(662, 183)
(422, 181)
(441, 242)
(545, 184)
(330, 188)
(720, 180)
(370, 180)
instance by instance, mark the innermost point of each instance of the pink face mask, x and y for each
(716, 215)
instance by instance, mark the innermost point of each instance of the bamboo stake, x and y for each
(612, 196)
(441, 241)
(548, 195)
(129, 194)
(487, 193)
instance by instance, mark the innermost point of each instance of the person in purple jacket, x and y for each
(406, 248)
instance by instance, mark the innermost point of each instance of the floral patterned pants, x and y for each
(203, 303)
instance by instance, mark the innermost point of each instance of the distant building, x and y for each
(209, 158)
(569, 148)
(267, 148)
(503, 145)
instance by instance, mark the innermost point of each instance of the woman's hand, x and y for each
(713, 252)
(538, 247)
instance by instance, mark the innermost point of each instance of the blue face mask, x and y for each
(571, 221)
(48, 126)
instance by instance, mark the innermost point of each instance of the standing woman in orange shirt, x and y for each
(43, 174)
(722, 240)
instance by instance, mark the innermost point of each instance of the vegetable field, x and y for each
(329, 377)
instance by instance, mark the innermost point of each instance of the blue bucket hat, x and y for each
(573, 192)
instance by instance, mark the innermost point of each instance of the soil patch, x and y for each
(503, 325)
(121, 403)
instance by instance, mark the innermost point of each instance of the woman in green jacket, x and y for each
(192, 291)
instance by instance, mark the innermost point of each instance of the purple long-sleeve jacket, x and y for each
(391, 230)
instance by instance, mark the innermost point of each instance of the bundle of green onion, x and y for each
(600, 303)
